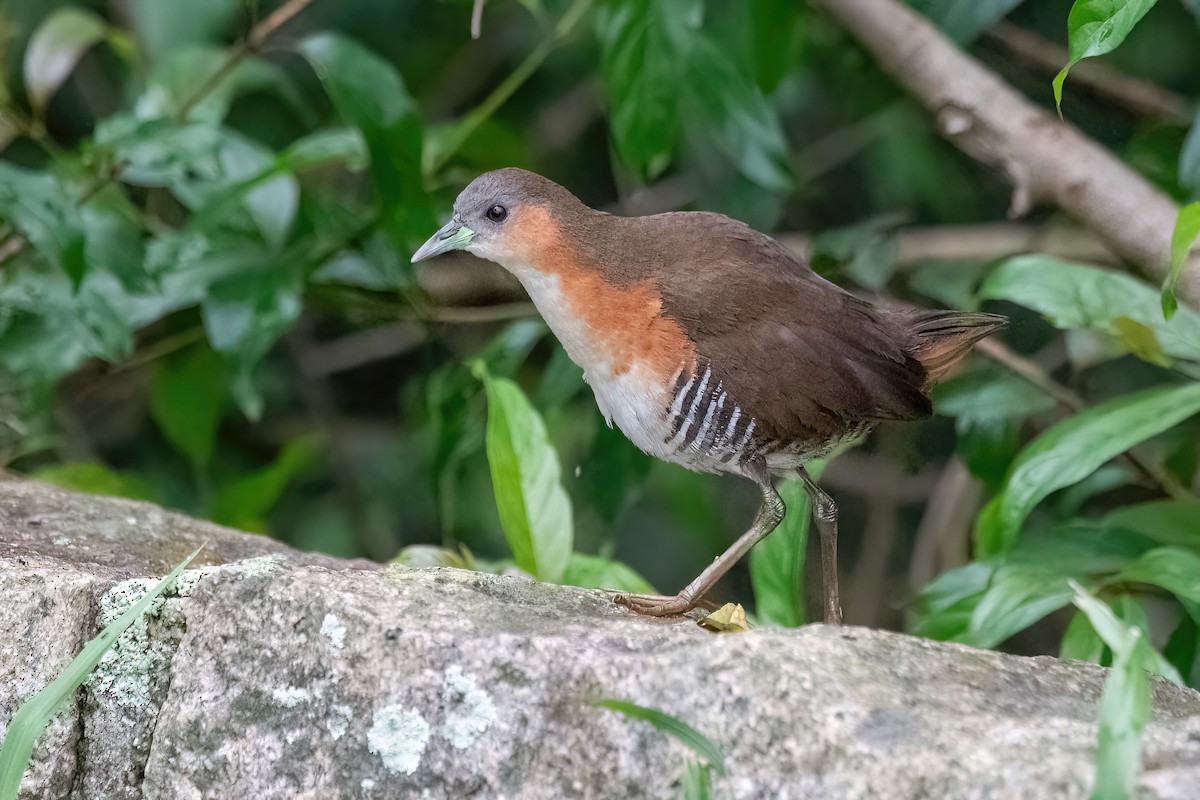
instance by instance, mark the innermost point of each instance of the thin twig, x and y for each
(477, 19)
(482, 112)
(162, 347)
(1030, 371)
(944, 531)
(253, 42)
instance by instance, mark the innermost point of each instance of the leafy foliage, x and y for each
(1074, 449)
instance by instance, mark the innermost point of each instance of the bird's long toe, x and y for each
(656, 605)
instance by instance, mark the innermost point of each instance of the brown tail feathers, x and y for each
(942, 338)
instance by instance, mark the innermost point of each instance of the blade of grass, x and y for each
(700, 744)
(35, 713)
(1125, 703)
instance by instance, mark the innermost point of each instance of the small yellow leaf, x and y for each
(729, 618)
(1140, 339)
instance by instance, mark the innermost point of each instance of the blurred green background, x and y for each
(206, 220)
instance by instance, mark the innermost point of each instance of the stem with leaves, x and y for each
(436, 160)
(1030, 371)
(252, 43)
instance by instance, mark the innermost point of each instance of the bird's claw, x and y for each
(656, 605)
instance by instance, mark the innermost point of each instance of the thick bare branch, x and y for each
(1044, 159)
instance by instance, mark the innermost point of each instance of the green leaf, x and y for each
(726, 107)
(1096, 27)
(699, 744)
(989, 601)
(775, 30)
(1187, 228)
(594, 572)
(664, 77)
(645, 47)
(944, 607)
(985, 602)
(243, 316)
(1182, 651)
(1078, 297)
(1018, 596)
(1125, 704)
(36, 712)
(41, 207)
(244, 501)
(964, 20)
(1075, 448)
(185, 400)
(1080, 641)
(1174, 569)
(697, 782)
(54, 50)
(777, 562)
(369, 94)
(1171, 522)
(95, 478)
(989, 394)
(49, 327)
(535, 511)
(333, 145)
(113, 243)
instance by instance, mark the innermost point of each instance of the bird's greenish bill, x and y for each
(451, 236)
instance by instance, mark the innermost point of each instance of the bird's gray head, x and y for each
(491, 216)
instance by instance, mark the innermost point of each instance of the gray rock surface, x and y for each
(273, 674)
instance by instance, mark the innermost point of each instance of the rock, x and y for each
(273, 674)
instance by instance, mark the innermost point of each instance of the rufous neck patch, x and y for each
(606, 326)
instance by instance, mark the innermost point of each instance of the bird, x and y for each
(710, 344)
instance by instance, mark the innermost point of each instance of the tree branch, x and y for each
(1044, 159)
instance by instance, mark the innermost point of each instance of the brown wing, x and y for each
(808, 360)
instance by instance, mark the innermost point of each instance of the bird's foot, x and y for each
(657, 605)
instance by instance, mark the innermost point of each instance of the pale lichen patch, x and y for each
(259, 565)
(124, 673)
(333, 629)
(339, 722)
(291, 696)
(398, 736)
(469, 709)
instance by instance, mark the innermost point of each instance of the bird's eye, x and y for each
(497, 213)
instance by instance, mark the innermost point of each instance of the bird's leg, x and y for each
(825, 513)
(770, 513)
